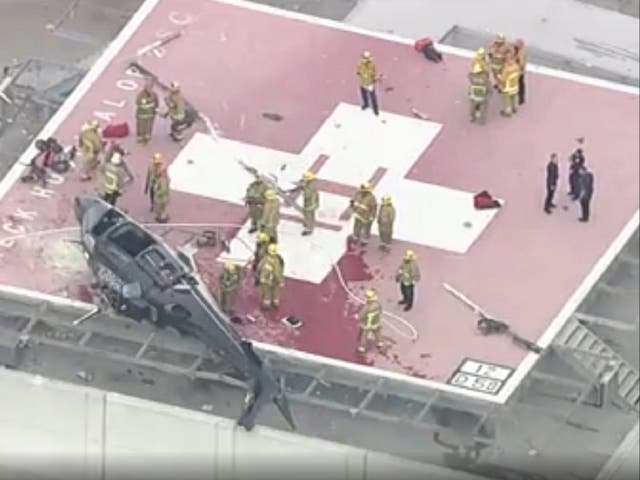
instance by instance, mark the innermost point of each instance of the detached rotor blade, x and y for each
(462, 298)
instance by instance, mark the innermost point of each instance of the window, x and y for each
(132, 239)
(108, 220)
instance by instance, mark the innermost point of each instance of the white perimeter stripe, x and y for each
(571, 306)
(88, 80)
(374, 373)
(595, 82)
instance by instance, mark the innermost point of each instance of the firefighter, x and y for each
(310, 202)
(262, 243)
(407, 276)
(520, 52)
(113, 150)
(497, 56)
(176, 112)
(479, 59)
(114, 175)
(509, 79)
(152, 174)
(370, 318)
(255, 199)
(271, 277)
(161, 191)
(479, 88)
(367, 72)
(364, 206)
(229, 283)
(147, 104)
(90, 144)
(386, 218)
(271, 215)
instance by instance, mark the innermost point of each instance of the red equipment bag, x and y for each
(484, 201)
(116, 130)
(420, 44)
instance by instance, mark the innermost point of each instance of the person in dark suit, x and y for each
(586, 194)
(552, 182)
(577, 163)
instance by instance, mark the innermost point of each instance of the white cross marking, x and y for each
(357, 143)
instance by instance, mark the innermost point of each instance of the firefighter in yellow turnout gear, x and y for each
(368, 74)
(262, 244)
(271, 215)
(90, 145)
(115, 174)
(176, 112)
(229, 282)
(480, 60)
(497, 57)
(479, 90)
(271, 278)
(310, 202)
(370, 319)
(161, 192)
(255, 199)
(364, 206)
(147, 104)
(386, 218)
(407, 276)
(153, 172)
(509, 85)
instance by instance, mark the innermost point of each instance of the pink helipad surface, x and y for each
(235, 64)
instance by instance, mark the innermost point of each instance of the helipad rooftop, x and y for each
(238, 61)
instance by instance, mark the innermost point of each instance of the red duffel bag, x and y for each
(116, 130)
(420, 44)
(484, 201)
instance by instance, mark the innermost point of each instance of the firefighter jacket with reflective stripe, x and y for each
(370, 316)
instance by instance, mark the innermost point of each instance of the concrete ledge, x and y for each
(58, 431)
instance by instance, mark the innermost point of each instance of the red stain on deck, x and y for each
(523, 268)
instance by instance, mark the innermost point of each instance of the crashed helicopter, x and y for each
(142, 278)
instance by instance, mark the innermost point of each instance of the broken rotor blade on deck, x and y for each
(272, 184)
(462, 298)
(159, 43)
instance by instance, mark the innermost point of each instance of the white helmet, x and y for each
(116, 159)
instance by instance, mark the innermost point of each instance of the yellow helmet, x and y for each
(477, 68)
(366, 54)
(481, 52)
(270, 194)
(500, 38)
(371, 295)
(272, 249)
(308, 176)
(409, 255)
(157, 158)
(366, 186)
(93, 124)
(263, 237)
(230, 266)
(386, 200)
